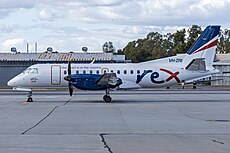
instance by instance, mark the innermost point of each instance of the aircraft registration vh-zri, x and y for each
(196, 63)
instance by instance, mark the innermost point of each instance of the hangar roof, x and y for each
(222, 59)
(56, 56)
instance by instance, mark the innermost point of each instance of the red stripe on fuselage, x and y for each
(214, 43)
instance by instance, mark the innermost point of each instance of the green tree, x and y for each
(108, 47)
(120, 52)
(179, 42)
(145, 49)
(168, 44)
(223, 46)
(156, 45)
(131, 51)
(193, 33)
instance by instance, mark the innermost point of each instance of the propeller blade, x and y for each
(70, 89)
(69, 79)
(69, 68)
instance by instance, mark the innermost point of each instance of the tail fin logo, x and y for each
(214, 43)
(208, 39)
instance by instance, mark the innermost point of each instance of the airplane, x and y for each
(196, 63)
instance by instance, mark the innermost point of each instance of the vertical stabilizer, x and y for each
(204, 47)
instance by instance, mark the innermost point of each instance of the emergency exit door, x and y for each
(55, 75)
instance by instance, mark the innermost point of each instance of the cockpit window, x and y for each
(26, 71)
(31, 71)
(34, 71)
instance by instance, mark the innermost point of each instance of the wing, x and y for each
(109, 79)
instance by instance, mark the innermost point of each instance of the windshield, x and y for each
(31, 71)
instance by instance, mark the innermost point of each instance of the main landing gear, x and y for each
(107, 97)
(29, 97)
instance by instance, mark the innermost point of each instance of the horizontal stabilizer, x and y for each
(197, 64)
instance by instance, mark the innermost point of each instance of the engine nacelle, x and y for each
(88, 82)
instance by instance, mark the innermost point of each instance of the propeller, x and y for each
(69, 79)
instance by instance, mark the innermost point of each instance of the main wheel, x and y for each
(29, 100)
(107, 99)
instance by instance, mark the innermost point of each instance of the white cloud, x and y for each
(19, 43)
(9, 4)
(71, 24)
(45, 15)
(7, 28)
(147, 12)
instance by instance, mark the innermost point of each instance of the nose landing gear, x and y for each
(29, 95)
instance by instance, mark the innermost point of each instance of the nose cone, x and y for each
(12, 83)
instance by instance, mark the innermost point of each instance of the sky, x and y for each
(69, 25)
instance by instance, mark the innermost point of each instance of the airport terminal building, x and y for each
(14, 63)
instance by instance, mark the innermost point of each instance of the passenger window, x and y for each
(91, 72)
(84, 72)
(125, 72)
(118, 71)
(131, 71)
(97, 72)
(65, 72)
(104, 71)
(77, 72)
(111, 71)
(138, 71)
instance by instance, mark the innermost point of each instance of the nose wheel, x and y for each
(30, 99)
(107, 97)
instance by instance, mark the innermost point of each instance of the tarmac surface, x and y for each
(144, 121)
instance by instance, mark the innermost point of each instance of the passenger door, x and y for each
(55, 74)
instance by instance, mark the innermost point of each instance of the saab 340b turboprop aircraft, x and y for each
(196, 63)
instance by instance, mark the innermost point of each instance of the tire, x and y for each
(29, 100)
(107, 99)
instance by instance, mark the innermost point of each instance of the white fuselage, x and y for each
(140, 75)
